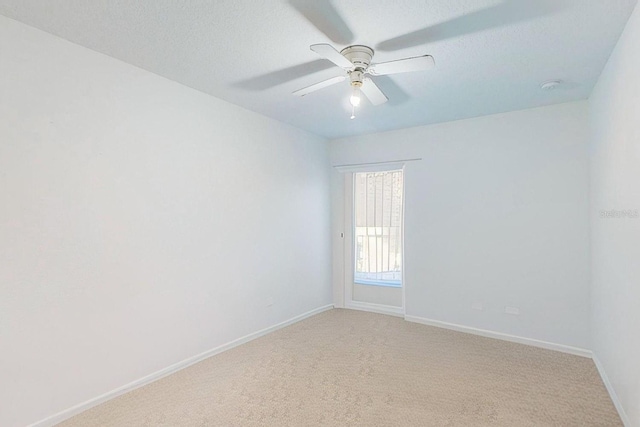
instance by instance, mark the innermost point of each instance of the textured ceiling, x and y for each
(491, 55)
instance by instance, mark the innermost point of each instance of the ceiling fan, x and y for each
(356, 62)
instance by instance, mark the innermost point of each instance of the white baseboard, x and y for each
(612, 392)
(500, 336)
(68, 413)
(375, 308)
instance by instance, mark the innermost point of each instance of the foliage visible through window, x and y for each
(378, 228)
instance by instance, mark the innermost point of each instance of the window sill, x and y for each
(375, 283)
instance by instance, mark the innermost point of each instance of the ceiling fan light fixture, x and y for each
(355, 96)
(355, 62)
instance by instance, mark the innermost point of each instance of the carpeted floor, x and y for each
(350, 368)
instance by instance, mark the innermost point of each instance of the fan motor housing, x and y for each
(359, 55)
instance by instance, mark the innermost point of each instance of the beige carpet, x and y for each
(349, 368)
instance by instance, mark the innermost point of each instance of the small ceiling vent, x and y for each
(550, 85)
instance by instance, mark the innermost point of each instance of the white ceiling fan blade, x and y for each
(329, 52)
(373, 92)
(321, 85)
(418, 63)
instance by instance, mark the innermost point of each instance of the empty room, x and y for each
(319, 213)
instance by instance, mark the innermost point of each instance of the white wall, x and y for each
(496, 212)
(615, 242)
(141, 223)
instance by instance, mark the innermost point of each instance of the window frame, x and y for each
(354, 244)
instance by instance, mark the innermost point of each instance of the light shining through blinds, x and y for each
(378, 228)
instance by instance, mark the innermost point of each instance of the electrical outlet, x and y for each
(515, 311)
(269, 302)
(477, 305)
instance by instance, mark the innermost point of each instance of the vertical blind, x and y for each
(378, 228)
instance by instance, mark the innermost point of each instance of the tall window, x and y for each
(378, 228)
